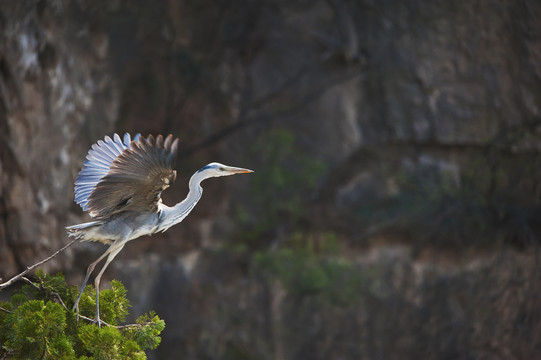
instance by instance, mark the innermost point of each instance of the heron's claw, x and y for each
(100, 322)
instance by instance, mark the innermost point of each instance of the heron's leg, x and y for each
(114, 250)
(88, 272)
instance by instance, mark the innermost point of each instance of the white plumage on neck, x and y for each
(170, 216)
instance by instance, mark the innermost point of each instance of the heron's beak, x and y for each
(237, 170)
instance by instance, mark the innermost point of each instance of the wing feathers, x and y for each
(126, 174)
(96, 166)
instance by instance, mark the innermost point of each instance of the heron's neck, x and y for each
(170, 216)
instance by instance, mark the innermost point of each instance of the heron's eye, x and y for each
(222, 169)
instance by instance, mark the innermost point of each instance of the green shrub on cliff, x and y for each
(38, 323)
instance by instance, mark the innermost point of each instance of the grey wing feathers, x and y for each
(97, 164)
(134, 178)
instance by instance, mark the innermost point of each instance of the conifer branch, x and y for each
(120, 327)
(42, 288)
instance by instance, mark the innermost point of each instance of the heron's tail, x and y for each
(79, 230)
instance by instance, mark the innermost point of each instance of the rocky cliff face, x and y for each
(393, 212)
(57, 95)
(385, 305)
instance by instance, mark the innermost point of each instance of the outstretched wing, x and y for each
(97, 165)
(135, 178)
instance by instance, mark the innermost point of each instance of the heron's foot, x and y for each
(100, 322)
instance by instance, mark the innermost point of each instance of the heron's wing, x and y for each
(136, 177)
(97, 165)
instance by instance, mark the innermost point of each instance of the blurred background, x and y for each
(395, 208)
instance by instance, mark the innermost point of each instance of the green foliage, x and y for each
(305, 264)
(147, 337)
(36, 329)
(113, 303)
(108, 343)
(305, 271)
(38, 323)
(282, 183)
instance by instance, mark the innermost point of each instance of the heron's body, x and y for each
(121, 227)
(120, 186)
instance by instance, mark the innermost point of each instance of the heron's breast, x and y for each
(144, 224)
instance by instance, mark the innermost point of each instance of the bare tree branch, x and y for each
(120, 327)
(41, 288)
(30, 268)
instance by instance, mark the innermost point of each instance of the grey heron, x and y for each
(120, 186)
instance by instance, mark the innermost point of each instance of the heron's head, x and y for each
(216, 169)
